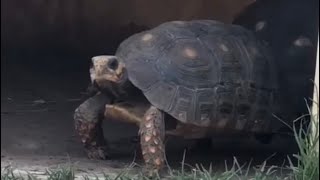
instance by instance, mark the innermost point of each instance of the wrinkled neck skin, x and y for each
(125, 85)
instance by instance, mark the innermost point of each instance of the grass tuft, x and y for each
(7, 174)
(60, 173)
(307, 140)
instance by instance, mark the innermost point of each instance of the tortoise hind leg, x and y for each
(152, 134)
(88, 120)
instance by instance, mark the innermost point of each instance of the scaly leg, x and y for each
(152, 134)
(88, 120)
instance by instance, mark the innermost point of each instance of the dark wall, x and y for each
(95, 26)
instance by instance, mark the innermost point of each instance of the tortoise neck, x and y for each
(125, 82)
(126, 85)
(126, 88)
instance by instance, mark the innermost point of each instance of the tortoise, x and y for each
(205, 75)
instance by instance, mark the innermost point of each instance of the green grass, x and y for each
(61, 173)
(198, 172)
(306, 168)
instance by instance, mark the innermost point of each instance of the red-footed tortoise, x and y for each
(208, 76)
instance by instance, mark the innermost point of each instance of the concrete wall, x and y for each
(96, 25)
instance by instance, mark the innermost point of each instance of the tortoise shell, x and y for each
(203, 72)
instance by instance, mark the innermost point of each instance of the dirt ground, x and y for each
(37, 131)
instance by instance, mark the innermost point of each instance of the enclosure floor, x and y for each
(37, 129)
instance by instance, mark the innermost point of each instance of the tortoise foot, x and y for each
(88, 126)
(97, 153)
(91, 136)
(152, 141)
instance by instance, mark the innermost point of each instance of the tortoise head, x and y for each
(107, 69)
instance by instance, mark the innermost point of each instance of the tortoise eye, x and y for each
(113, 64)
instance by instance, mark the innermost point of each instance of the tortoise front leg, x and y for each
(88, 121)
(152, 134)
